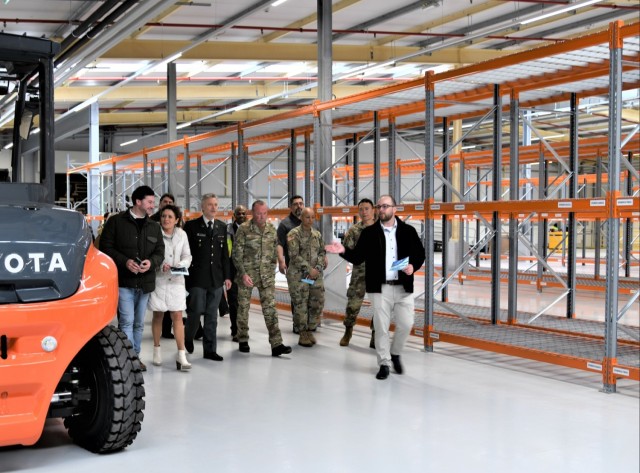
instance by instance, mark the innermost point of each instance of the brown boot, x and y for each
(346, 338)
(312, 337)
(304, 339)
(372, 343)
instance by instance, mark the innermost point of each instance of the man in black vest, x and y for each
(382, 246)
(208, 273)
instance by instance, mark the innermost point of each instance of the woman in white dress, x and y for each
(170, 294)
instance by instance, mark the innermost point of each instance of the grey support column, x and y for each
(234, 176)
(446, 197)
(199, 177)
(172, 135)
(187, 177)
(307, 167)
(93, 177)
(243, 169)
(613, 228)
(496, 188)
(572, 226)
(628, 225)
(292, 166)
(542, 223)
(429, 194)
(597, 225)
(355, 162)
(514, 186)
(376, 156)
(145, 167)
(114, 190)
(325, 93)
(394, 185)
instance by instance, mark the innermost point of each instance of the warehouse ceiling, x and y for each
(248, 59)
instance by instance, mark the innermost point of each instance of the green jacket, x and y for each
(350, 240)
(306, 251)
(254, 253)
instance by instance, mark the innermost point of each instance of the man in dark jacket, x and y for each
(208, 273)
(135, 244)
(390, 290)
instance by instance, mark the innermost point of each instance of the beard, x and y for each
(385, 217)
(298, 212)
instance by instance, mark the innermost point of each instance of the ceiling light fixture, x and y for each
(126, 143)
(278, 2)
(573, 6)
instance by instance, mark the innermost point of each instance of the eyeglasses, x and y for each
(384, 206)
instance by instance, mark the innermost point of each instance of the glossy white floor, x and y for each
(322, 410)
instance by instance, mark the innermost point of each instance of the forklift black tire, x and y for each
(110, 369)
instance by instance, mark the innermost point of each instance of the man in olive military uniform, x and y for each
(255, 256)
(357, 289)
(304, 275)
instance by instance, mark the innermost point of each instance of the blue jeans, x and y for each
(132, 307)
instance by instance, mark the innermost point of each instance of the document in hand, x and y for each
(177, 271)
(400, 264)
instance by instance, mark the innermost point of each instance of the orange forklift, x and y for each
(59, 357)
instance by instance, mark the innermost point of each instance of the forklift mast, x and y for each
(26, 70)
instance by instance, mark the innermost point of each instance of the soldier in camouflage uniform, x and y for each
(356, 291)
(254, 257)
(306, 262)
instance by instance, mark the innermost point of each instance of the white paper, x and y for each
(400, 264)
(180, 271)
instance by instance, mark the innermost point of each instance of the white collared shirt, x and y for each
(391, 253)
(135, 217)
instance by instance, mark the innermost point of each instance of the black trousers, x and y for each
(203, 302)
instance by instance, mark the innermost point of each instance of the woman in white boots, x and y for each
(170, 294)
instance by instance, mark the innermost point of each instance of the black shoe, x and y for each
(188, 345)
(244, 347)
(143, 367)
(280, 350)
(212, 355)
(234, 338)
(397, 366)
(383, 373)
(167, 335)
